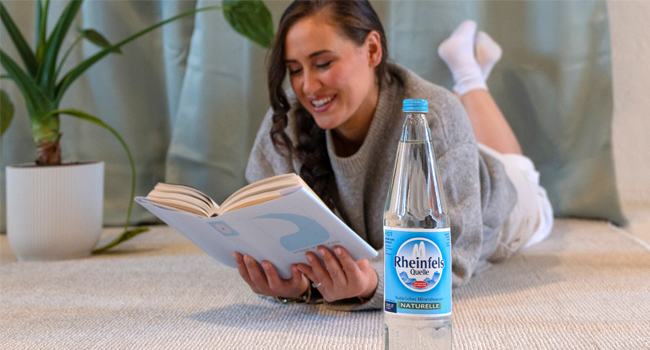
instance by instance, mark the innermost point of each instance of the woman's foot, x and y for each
(458, 53)
(488, 53)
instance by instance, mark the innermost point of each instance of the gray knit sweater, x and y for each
(479, 194)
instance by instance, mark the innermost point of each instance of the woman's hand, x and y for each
(341, 277)
(265, 279)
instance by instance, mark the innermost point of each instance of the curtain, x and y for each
(189, 98)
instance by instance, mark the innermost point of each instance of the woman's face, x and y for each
(333, 78)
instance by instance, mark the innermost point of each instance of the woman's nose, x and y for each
(311, 84)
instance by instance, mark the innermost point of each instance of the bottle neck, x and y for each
(416, 127)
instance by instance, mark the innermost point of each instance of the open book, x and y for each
(277, 219)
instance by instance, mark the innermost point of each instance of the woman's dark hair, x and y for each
(355, 19)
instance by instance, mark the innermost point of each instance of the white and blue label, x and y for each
(417, 271)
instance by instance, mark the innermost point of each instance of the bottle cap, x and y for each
(416, 105)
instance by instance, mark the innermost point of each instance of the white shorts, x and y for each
(531, 220)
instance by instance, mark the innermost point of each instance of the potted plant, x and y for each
(54, 210)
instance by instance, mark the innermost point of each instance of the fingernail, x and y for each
(294, 269)
(309, 257)
(247, 259)
(337, 251)
(266, 266)
(322, 252)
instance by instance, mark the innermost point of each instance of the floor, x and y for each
(637, 214)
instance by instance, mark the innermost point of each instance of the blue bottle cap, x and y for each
(416, 105)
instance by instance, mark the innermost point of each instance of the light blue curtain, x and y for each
(222, 101)
(553, 84)
(189, 98)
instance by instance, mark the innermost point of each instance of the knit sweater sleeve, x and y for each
(462, 189)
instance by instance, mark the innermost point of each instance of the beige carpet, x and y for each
(586, 287)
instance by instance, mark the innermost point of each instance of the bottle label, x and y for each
(417, 271)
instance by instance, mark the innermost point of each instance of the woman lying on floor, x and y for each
(338, 128)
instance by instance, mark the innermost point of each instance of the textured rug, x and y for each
(586, 287)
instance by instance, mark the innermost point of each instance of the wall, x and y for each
(630, 28)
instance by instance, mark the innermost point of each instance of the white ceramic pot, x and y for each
(54, 212)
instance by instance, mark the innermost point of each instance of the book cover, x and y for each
(281, 230)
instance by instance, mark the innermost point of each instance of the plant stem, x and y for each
(49, 153)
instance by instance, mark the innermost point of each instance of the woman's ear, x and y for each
(373, 45)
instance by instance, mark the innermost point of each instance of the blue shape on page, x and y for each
(224, 228)
(310, 232)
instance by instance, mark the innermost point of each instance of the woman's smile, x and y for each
(322, 103)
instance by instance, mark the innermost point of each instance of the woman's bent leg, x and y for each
(490, 126)
(470, 58)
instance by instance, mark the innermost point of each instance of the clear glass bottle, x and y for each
(417, 243)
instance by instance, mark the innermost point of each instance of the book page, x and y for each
(184, 198)
(191, 191)
(179, 204)
(271, 184)
(247, 202)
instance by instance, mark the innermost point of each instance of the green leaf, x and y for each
(67, 53)
(46, 76)
(87, 117)
(96, 38)
(41, 37)
(6, 111)
(24, 51)
(251, 18)
(125, 236)
(32, 93)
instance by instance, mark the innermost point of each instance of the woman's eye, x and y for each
(292, 72)
(324, 65)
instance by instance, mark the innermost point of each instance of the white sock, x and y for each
(458, 53)
(488, 53)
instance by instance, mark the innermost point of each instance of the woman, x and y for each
(338, 128)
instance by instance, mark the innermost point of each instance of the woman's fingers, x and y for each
(361, 275)
(333, 267)
(275, 282)
(354, 274)
(257, 275)
(264, 279)
(243, 270)
(320, 274)
(292, 287)
(297, 278)
(347, 263)
(307, 271)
